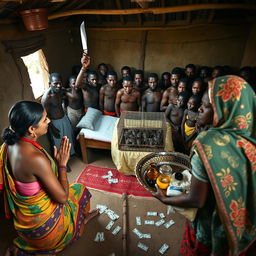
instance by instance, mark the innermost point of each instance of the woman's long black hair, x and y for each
(21, 116)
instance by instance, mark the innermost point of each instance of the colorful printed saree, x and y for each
(44, 227)
(227, 224)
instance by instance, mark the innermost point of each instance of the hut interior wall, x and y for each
(232, 45)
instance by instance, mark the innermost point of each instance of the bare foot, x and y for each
(91, 215)
(11, 251)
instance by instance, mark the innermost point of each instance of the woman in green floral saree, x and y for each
(224, 173)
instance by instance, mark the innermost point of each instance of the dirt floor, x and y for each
(113, 245)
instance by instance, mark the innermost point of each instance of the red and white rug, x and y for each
(91, 177)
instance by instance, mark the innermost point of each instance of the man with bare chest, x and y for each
(152, 96)
(127, 98)
(75, 102)
(52, 102)
(174, 115)
(90, 89)
(108, 94)
(138, 81)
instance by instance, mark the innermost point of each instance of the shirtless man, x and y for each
(169, 97)
(175, 76)
(182, 86)
(90, 89)
(198, 87)
(152, 96)
(188, 125)
(75, 102)
(174, 115)
(127, 98)
(217, 71)
(52, 102)
(102, 73)
(125, 71)
(108, 94)
(165, 80)
(205, 73)
(138, 81)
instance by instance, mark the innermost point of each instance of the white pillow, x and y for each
(89, 119)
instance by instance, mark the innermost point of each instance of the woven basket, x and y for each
(177, 161)
(35, 19)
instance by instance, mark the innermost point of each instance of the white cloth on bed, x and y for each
(103, 129)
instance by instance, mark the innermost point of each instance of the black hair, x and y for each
(139, 72)
(197, 100)
(165, 74)
(126, 68)
(208, 69)
(102, 64)
(127, 78)
(203, 86)
(111, 73)
(183, 80)
(71, 77)
(198, 79)
(54, 75)
(154, 75)
(246, 69)
(218, 68)
(21, 116)
(190, 66)
(176, 71)
(185, 95)
(91, 72)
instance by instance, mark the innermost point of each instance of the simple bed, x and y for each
(99, 138)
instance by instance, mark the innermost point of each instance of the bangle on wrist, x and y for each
(63, 167)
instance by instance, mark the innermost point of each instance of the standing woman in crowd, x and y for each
(223, 183)
(48, 213)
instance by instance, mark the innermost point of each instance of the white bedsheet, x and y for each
(103, 129)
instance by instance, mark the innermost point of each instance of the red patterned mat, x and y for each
(91, 177)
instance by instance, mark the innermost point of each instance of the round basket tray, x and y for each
(176, 160)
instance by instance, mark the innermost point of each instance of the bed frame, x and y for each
(90, 143)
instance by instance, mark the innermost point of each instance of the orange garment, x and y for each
(109, 113)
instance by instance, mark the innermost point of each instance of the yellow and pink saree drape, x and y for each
(43, 226)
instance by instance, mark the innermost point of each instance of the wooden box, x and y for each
(141, 131)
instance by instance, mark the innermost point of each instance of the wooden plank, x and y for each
(143, 4)
(163, 15)
(119, 6)
(83, 148)
(140, 19)
(85, 144)
(57, 1)
(189, 14)
(212, 14)
(76, 5)
(149, 28)
(172, 9)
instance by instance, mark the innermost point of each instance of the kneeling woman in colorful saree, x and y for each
(223, 186)
(48, 213)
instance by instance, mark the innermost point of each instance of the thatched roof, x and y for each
(134, 13)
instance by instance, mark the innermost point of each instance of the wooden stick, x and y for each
(172, 9)
(125, 224)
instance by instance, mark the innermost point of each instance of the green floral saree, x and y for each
(228, 153)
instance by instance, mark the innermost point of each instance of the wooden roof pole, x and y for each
(173, 9)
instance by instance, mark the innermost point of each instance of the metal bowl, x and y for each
(176, 160)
